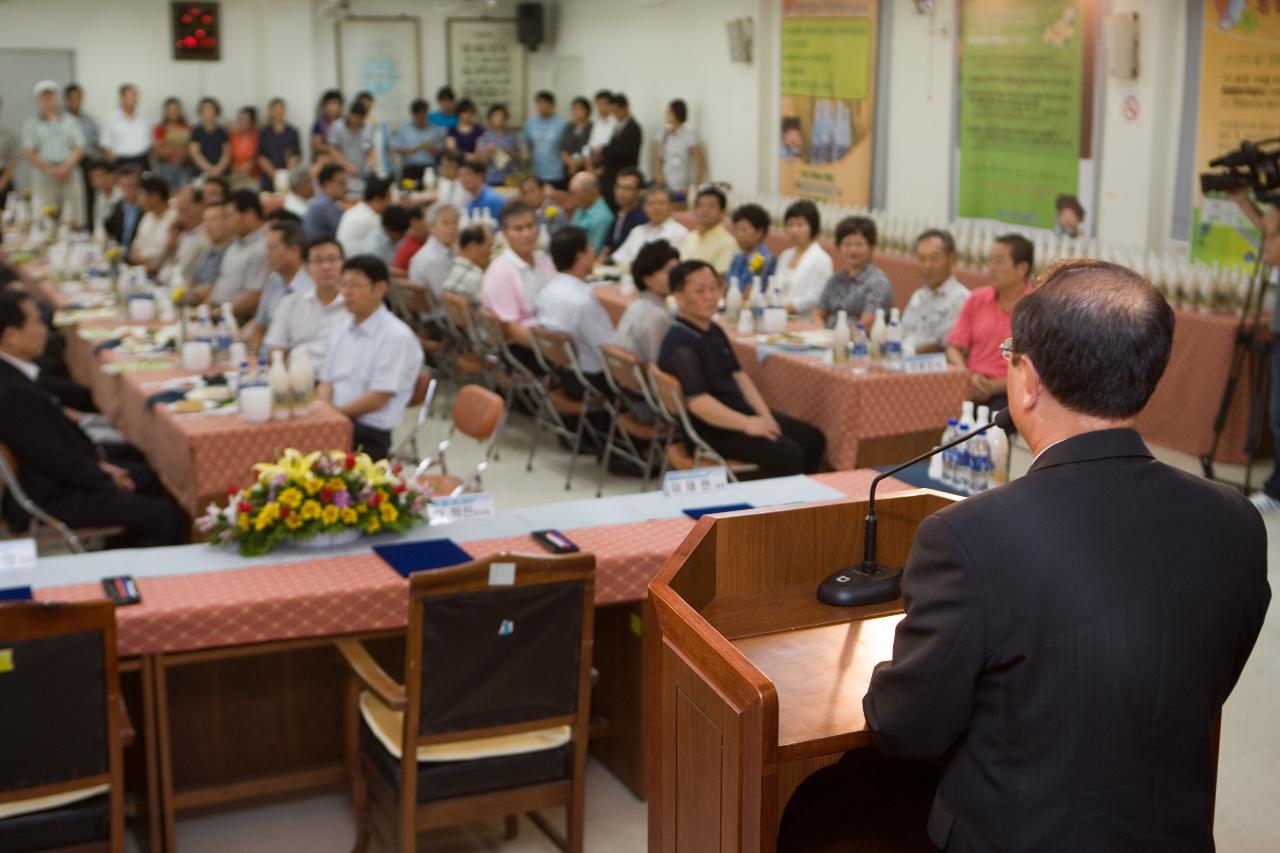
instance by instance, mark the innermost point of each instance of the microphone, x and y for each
(872, 582)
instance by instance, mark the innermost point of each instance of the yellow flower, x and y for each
(757, 262)
(330, 514)
(552, 211)
(349, 515)
(242, 521)
(372, 524)
(313, 485)
(292, 464)
(408, 184)
(50, 210)
(389, 512)
(293, 522)
(310, 510)
(374, 473)
(291, 497)
(179, 295)
(336, 483)
(114, 252)
(362, 508)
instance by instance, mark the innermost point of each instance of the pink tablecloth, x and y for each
(360, 592)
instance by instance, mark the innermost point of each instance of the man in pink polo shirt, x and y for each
(985, 320)
(512, 280)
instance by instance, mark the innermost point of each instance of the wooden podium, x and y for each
(752, 684)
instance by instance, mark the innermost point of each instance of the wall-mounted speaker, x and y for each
(1121, 33)
(741, 34)
(530, 24)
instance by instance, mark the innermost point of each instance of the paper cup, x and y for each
(255, 404)
(775, 321)
(142, 309)
(197, 355)
(238, 353)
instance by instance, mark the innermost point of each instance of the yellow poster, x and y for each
(1239, 100)
(828, 99)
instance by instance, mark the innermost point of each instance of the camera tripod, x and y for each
(1256, 354)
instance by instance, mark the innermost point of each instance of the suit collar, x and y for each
(8, 367)
(1090, 446)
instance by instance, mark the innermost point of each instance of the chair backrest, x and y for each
(494, 337)
(624, 368)
(415, 296)
(421, 387)
(59, 699)
(529, 642)
(477, 411)
(556, 348)
(669, 392)
(457, 308)
(8, 469)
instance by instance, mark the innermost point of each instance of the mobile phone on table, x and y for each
(555, 541)
(123, 590)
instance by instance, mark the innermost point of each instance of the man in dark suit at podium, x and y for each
(1070, 637)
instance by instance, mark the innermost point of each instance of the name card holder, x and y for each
(695, 481)
(460, 508)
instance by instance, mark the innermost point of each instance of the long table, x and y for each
(241, 691)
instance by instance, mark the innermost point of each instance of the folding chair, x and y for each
(57, 531)
(624, 371)
(62, 777)
(522, 384)
(478, 413)
(493, 707)
(424, 392)
(469, 356)
(555, 352)
(670, 396)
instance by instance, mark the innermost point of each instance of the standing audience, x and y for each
(126, 138)
(679, 162)
(418, 142)
(54, 144)
(543, 134)
(171, 142)
(498, 148)
(623, 148)
(279, 148)
(210, 146)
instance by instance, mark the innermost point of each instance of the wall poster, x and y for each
(487, 64)
(828, 99)
(381, 56)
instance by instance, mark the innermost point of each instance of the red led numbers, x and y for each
(195, 31)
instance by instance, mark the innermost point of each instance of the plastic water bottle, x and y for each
(278, 380)
(775, 295)
(243, 378)
(224, 337)
(960, 462)
(949, 456)
(840, 338)
(204, 326)
(979, 464)
(861, 346)
(878, 330)
(893, 340)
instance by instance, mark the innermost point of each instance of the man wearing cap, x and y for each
(54, 145)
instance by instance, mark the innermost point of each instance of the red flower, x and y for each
(401, 488)
(244, 506)
(350, 461)
(396, 469)
(326, 495)
(233, 490)
(285, 511)
(375, 499)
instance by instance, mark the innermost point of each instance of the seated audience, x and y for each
(106, 193)
(862, 288)
(1070, 222)
(628, 212)
(302, 188)
(279, 147)
(383, 241)
(243, 271)
(60, 469)
(324, 212)
(568, 305)
(481, 198)
(152, 235)
(210, 147)
(534, 194)
(986, 317)
(186, 239)
(646, 321)
(933, 308)
(513, 279)
(804, 269)
(590, 211)
(711, 242)
(216, 222)
(373, 361)
(449, 189)
(750, 228)
(498, 148)
(308, 316)
(365, 216)
(678, 157)
(661, 225)
(286, 245)
(415, 237)
(475, 250)
(350, 144)
(726, 407)
(543, 134)
(122, 223)
(431, 264)
(418, 142)
(465, 132)
(216, 190)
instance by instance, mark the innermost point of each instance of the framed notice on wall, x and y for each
(487, 64)
(381, 56)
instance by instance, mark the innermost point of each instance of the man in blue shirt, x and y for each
(591, 212)
(325, 210)
(444, 116)
(483, 197)
(418, 142)
(542, 133)
(751, 227)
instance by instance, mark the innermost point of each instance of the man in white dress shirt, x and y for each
(308, 317)
(567, 304)
(286, 247)
(661, 226)
(126, 136)
(364, 217)
(374, 359)
(152, 237)
(430, 265)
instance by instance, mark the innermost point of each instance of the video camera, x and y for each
(1254, 166)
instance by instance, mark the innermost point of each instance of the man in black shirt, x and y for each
(726, 407)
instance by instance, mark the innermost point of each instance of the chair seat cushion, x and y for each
(635, 428)
(69, 824)
(563, 403)
(441, 780)
(679, 457)
(440, 485)
(387, 725)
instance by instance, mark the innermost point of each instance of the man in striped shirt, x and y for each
(54, 145)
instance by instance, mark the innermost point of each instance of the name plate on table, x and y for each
(461, 508)
(695, 481)
(934, 362)
(17, 554)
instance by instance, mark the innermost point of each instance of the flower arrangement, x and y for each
(757, 263)
(552, 211)
(301, 496)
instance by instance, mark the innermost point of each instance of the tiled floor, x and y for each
(1249, 772)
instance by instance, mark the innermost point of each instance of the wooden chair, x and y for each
(56, 530)
(62, 774)
(670, 397)
(625, 373)
(424, 393)
(478, 413)
(555, 353)
(495, 702)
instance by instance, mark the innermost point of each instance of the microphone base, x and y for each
(863, 584)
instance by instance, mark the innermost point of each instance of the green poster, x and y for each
(826, 57)
(1021, 90)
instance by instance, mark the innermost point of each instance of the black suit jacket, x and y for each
(56, 460)
(622, 150)
(1070, 639)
